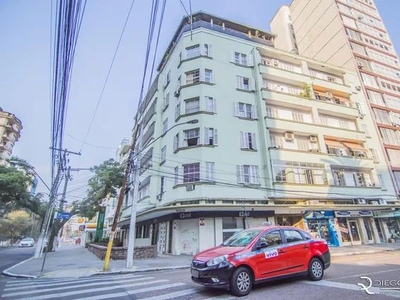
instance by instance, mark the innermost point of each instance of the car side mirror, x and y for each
(262, 245)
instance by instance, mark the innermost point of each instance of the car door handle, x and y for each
(281, 251)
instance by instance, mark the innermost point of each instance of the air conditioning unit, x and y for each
(358, 88)
(313, 139)
(374, 202)
(328, 95)
(275, 62)
(289, 136)
(360, 65)
(361, 201)
(360, 17)
(159, 197)
(382, 202)
(190, 187)
(177, 93)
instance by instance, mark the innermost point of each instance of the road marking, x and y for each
(352, 287)
(222, 297)
(138, 291)
(29, 285)
(363, 274)
(173, 295)
(79, 292)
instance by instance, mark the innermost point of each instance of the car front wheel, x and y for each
(315, 269)
(241, 282)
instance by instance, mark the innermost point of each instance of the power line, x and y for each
(86, 143)
(108, 74)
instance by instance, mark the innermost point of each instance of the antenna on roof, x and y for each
(191, 20)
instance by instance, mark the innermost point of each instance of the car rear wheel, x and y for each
(241, 282)
(315, 269)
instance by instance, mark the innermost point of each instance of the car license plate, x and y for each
(195, 273)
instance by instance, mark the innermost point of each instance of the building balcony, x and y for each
(285, 75)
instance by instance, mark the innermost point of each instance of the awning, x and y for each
(354, 146)
(334, 144)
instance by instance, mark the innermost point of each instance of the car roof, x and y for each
(274, 227)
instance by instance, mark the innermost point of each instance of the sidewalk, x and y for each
(75, 261)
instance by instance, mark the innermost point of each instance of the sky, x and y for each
(25, 72)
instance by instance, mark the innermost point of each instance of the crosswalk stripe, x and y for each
(133, 292)
(69, 283)
(75, 286)
(64, 294)
(173, 295)
(222, 297)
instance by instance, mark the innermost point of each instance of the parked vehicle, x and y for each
(260, 254)
(26, 242)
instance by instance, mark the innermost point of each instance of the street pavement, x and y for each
(76, 261)
(340, 282)
(9, 256)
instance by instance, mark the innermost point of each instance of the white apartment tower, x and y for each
(237, 132)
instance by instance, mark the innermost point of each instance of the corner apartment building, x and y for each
(352, 35)
(10, 131)
(237, 133)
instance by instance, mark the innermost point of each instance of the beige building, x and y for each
(10, 128)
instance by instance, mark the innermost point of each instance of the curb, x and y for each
(9, 274)
(363, 252)
(141, 270)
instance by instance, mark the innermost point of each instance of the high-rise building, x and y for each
(10, 129)
(352, 35)
(237, 132)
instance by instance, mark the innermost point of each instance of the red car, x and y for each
(260, 254)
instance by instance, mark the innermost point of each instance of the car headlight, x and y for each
(216, 261)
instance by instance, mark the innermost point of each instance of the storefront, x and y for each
(321, 224)
(356, 227)
(389, 224)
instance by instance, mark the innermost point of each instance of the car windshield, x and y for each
(242, 238)
(27, 239)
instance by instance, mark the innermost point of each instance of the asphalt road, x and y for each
(340, 282)
(10, 256)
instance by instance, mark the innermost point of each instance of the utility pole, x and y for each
(120, 201)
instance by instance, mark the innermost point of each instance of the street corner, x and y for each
(19, 271)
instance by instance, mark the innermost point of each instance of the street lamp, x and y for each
(135, 180)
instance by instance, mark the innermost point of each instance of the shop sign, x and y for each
(386, 214)
(347, 213)
(244, 214)
(319, 214)
(185, 215)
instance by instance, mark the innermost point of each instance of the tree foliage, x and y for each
(17, 224)
(105, 183)
(14, 185)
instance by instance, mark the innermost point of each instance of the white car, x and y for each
(26, 242)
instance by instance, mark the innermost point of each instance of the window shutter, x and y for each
(250, 61)
(182, 140)
(239, 174)
(254, 114)
(254, 174)
(210, 174)
(242, 139)
(176, 175)
(215, 131)
(239, 82)
(214, 102)
(232, 59)
(236, 109)
(253, 139)
(251, 85)
(206, 138)
(177, 111)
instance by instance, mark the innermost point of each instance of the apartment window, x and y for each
(176, 175)
(166, 101)
(389, 136)
(162, 185)
(375, 155)
(193, 51)
(353, 34)
(349, 22)
(243, 83)
(210, 171)
(207, 50)
(168, 78)
(338, 178)
(177, 110)
(193, 76)
(394, 157)
(176, 141)
(192, 137)
(191, 172)
(163, 154)
(245, 110)
(299, 172)
(192, 105)
(393, 102)
(382, 116)
(240, 59)
(165, 125)
(208, 76)
(358, 48)
(375, 98)
(380, 180)
(248, 174)
(369, 80)
(248, 140)
(210, 136)
(145, 191)
(211, 104)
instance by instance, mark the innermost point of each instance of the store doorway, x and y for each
(368, 229)
(379, 229)
(354, 231)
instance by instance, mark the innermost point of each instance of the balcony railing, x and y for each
(326, 76)
(281, 65)
(282, 88)
(333, 99)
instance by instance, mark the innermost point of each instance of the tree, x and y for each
(17, 224)
(105, 183)
(14, 185)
